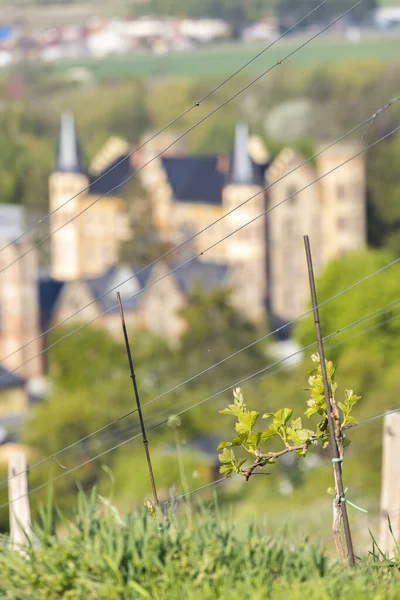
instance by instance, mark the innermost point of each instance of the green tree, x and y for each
(373, 294)
(217, 330)
(236, 12)
(289, 12)
(90, 386)
(384, 194)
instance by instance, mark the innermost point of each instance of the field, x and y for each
(197, 554)
(225, 59)
(38, 17)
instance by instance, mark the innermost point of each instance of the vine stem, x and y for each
(262, 458)
(335, 446)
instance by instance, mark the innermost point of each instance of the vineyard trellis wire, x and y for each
(165, 127)
(126, 441)
(245, 88)
(185, 410)
(338, 295)
(367, 121)
(170, 272)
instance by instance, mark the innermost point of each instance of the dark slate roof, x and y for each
(69, 155)
(49, 291)
(113, 177)
(10, 380)
(112, 278)
(195, 178)
(208, 276)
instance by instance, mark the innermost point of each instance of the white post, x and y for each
(20, 514)
(390, 494)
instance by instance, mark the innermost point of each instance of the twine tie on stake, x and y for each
(351, 503)
(340, 460)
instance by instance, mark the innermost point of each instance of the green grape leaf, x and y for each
(226, 469)
(254, 439)
(238, 397)
(296, 424)
(223, 445)
(299, 436)
(282, 416)
(232, 409)
(239, 439)
(350, 419)
(246, 421)
(227, 455)
(311, 410)
(269, 433)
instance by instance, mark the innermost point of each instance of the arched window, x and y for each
(341, 191)
(288, 226)
(291, 193)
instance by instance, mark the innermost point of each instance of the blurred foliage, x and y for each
(291, 11)
(238, 12)
(89, 374)
(90, 386)
(102, 554)
(375, 293)
(384, 186)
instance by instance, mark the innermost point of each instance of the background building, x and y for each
(190, 192)
(89, 244)
(19, 298)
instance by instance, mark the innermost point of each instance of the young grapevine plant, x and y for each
(290, 433)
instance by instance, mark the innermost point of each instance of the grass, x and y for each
(222, 60)
(102, 555)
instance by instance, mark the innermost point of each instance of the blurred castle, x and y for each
(89, 244)
(190, 192)
(19, 303)
(263, 262)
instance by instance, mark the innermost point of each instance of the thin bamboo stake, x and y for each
(142, 425)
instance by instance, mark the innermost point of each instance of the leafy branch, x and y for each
(291, 432)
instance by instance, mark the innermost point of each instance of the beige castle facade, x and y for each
(332, 212)
(262, 208)
(88, 244)
(268, 254)
(19, 300)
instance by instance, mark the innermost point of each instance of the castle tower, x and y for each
(19, 303)
(246, 249)
(294, 204)
(66, 185)
(343, 194)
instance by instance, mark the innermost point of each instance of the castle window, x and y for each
(291, 194)
(357, 191)
(289, 263)
(288, 226)
(341, 191)
(289, 299)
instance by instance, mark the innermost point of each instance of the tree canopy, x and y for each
(369, 296)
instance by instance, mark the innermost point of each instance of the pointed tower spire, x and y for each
(69, 159)
(242, 167)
